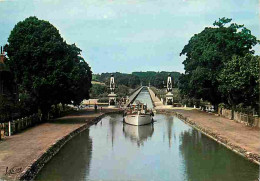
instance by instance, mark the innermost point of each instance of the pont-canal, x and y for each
(167, 150)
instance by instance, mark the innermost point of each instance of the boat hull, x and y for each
(138, 119)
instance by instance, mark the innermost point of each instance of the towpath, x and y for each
(157, 102)
(21, 150)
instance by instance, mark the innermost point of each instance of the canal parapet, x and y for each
(133, 96)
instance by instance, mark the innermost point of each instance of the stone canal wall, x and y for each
(222, 139)
(33, 169)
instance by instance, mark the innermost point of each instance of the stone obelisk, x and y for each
(112, 96)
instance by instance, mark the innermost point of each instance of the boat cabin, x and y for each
(138, 107)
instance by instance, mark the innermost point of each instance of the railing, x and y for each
(19, 125)
(133, 96)
(247, 119)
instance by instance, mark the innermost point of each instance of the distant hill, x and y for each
(157, 79)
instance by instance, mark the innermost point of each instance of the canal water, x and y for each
(144, 97)
(167, 150)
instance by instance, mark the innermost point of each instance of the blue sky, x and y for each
(130, 35)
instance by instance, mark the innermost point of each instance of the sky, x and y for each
(130, 35)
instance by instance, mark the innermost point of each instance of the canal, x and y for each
(167, 150)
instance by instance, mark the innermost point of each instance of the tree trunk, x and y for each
(44, 114)
(215, 107)
(233, 106)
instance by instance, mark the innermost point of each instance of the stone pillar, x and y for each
(112, 96)
(169, 98)
(112, 100)
(169, 95)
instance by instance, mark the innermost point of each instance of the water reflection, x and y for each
(208, 160)
(169, 123)
(138, 134)
(112, 125)
(72, 162)
(167, 150)
(111, 150)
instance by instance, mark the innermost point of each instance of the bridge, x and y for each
(157, 103)
(133, 96)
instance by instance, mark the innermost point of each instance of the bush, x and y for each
(103, 100)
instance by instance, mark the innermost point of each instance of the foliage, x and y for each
(101, 92)
(26, 105)
(145, 77)
(95, 77)
(45, 66)
(122, 91)
(157, 79)
(207, 52)
(176, 95)
(120, 78)
(103, 100)
(7, 108)
(98, 90)
(190, 102)
(239, 80)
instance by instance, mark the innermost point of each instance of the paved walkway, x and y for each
(20, 150)
(236, 133)
(157, 102)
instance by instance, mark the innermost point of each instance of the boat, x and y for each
(138, 114)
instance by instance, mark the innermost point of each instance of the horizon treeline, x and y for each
(134, 79)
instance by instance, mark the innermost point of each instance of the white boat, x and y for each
(138, 114)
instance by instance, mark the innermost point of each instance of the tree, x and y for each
(206, 54)
(7, 108)
(45, 66)
(239, 80)
(134, 81)
(98, 90)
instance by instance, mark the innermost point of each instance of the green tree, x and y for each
(7, 108)
(98, 90)
(122, 91)
(239, 80)
(206, 54)
(45, 66)
(134, 81)
(78, 78)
